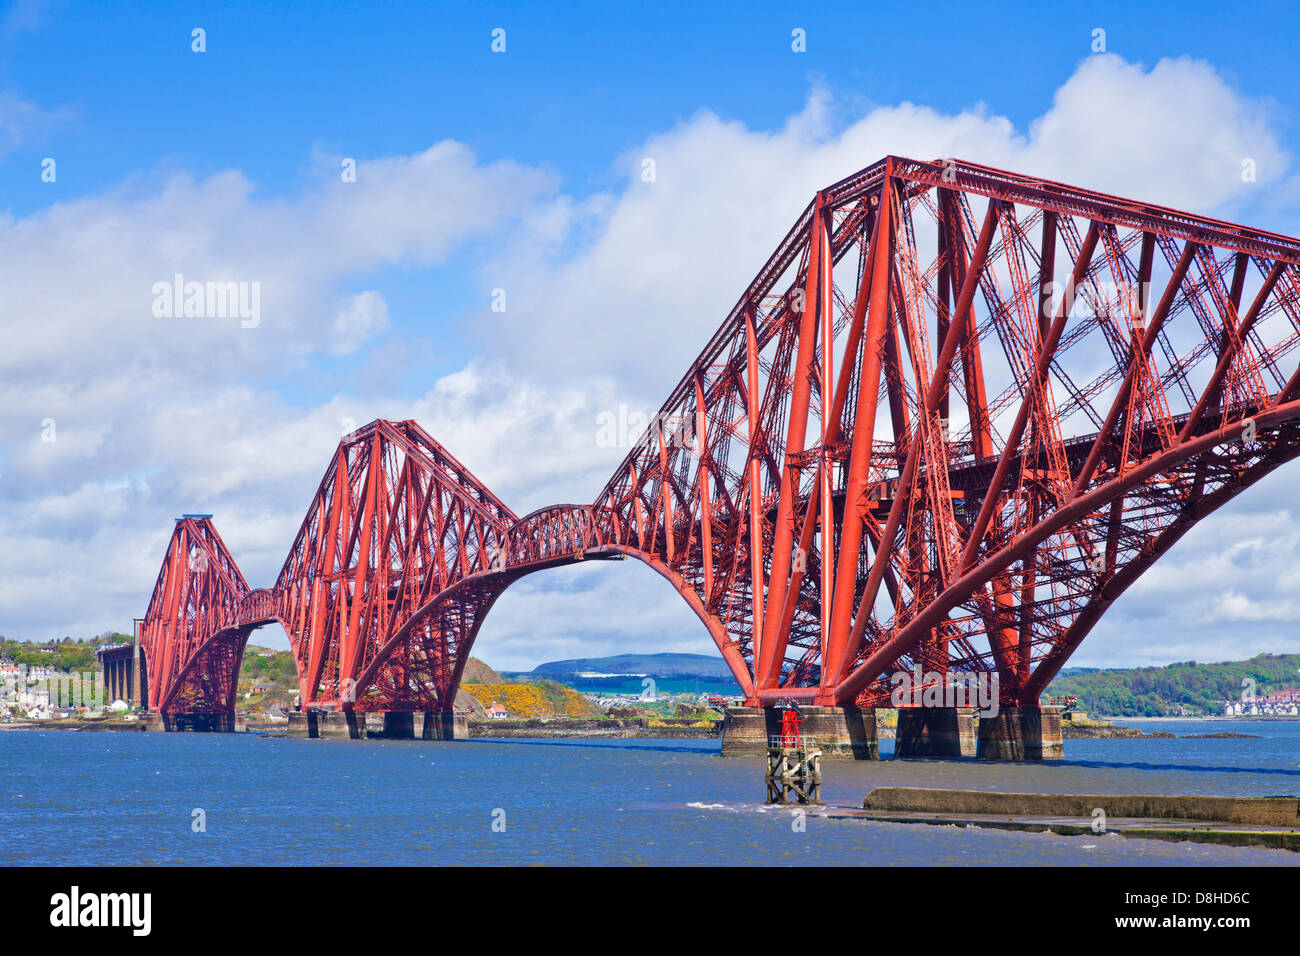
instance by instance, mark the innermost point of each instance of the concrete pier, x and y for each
(1231, 821)
(935, 732)
(1021, 733)
(327, 724)
(1243, 811)
(837, 731)
(387, 725)
(416, 725)
(1012, 734)
(194, 723)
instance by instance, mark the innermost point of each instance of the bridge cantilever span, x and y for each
(954, 416)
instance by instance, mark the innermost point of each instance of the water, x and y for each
(108, 798)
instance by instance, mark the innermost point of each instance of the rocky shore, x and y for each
(1102, 729)
(607, 727)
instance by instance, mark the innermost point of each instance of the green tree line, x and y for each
(78, 656)
(67, 655)
(277, 666)
(1184, 689)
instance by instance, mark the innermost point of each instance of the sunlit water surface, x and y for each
(112, 798)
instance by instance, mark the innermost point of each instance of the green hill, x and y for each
(1178, 690)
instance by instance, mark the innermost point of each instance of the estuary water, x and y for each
(130, 798)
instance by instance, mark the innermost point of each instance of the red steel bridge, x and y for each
(954, 416)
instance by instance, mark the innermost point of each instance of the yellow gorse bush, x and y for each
(533, 700)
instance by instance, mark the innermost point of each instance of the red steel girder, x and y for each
(976, 527)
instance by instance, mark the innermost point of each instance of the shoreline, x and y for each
(561, 728)
(1213, 717)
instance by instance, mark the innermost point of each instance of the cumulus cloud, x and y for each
(85, 347)
(634, 283)
(610, 295)
(1232, 606)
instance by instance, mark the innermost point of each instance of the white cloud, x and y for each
(1232, 606)
(634, 283)
(359, 317)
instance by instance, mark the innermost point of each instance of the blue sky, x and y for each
(579, 84)
(483, 169)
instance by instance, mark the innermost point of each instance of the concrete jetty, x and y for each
(1237, 821)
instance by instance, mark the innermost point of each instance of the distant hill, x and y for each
(651, 665)
(628, 675)
(1185, 689)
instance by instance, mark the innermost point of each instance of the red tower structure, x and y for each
(954, 416)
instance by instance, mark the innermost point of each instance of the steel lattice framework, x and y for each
(956, 414)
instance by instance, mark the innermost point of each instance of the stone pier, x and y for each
(1021, 733)
(935, 732)
(387, 725)
(417, 725)
(327, 724)
(195, 723)
(836, 731)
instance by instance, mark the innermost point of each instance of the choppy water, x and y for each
(106, 798)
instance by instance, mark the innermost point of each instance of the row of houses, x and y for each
(39, 708)
(11, 672)
(1282, 703)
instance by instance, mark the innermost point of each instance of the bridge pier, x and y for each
(1021, 733)
(194, 723)
(424, 725)
(837, 731)
(378, 725)
(327, 724)
(935, 732)
(1012, 734)
(123, 673)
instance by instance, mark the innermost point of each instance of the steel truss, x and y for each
(955, 415)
